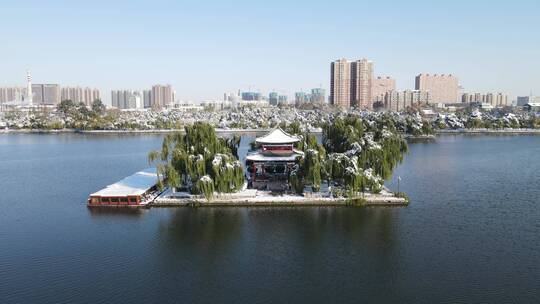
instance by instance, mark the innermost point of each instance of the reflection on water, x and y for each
(237, 250)
(103, 211)
(316, 224)
(212, 229)
(208, 230)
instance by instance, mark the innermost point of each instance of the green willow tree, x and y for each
(199, 161)
(339, 135)
(362, 155)
(310, 170)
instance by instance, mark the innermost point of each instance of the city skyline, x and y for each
(248, 45)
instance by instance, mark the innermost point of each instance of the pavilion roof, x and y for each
(277, 136)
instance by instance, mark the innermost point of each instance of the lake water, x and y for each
(470, 235)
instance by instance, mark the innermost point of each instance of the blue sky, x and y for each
(205, 48)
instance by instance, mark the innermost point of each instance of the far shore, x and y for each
(154, 131)
(489, 131)
(218, 130)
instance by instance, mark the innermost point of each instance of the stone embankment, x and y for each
(253, 197)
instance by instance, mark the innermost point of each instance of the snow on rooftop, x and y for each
(277, 136)
(136, 184)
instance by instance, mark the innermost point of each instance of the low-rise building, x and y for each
(532, 107)
(523, 100)
(494, 99)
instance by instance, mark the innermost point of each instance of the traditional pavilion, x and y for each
(269, 167)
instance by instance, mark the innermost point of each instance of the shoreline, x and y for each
(334, 202)
(256, 198)
(263, 198)
(218, 130)
(156, 131)
(489, 131)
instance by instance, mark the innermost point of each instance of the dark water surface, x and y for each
(471, 234)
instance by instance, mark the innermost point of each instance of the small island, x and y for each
(288, 166)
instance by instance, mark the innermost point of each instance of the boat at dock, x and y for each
(138, 189)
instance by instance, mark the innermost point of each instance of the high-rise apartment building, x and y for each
(135, 100)
(351, 83)
(494, 99)
(273, 98)
(147, 98)
(442, 88)
(127, 99)
(29, 93)
(162, 95)
(380, 86)
(340, 83)
(471, 97)
(46, 94)
(8, 94)
(318, 95)
(398, 101)
(497, 100)
(251, 96)
(79, 94)
(362, 80)
(301, 97)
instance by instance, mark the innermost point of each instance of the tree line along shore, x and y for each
(72, 117)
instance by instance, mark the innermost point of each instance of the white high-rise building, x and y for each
(29, 94)
(147, 98)
(127, 99)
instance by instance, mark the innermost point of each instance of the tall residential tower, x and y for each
(351, 83)
(29, 94)
(340, 83)
(162, 95)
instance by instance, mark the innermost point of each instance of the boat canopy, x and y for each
(133, 185)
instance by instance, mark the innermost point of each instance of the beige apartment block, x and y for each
(351, 83)
(441, 88)
(380, 86)
(340, 83)
(162, 95)
(79, 94)
(362, 78)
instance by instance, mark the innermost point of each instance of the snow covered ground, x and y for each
(252, 197)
